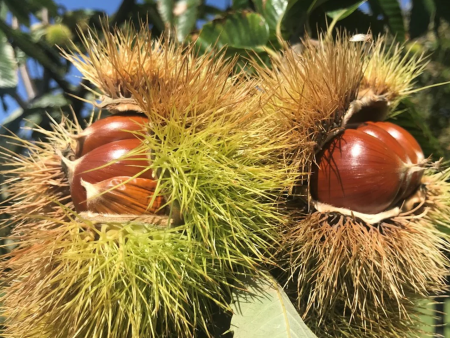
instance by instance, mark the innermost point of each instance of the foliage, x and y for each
(261, 308)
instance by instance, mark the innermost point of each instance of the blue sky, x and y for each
(109, 6)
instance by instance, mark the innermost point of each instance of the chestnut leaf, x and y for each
(264, 310)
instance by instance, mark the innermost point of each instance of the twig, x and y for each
(23, 70)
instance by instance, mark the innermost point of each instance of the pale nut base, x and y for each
(367, 218)
(154, 221)
(413, 203)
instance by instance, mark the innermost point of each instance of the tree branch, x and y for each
(23, 70)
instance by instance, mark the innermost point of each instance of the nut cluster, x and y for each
(370, 168)
(106, 175)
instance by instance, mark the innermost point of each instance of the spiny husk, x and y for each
(219, 162)
(115, 280)
(389, 73)
(215, 154)
(35, 180)
(337, 324)
(204, 87)
(123, 59)
(349, 276)
(310, 92)
(390, 70)
(224, 181)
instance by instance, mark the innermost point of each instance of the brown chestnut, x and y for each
(123, 195)
(109, 129)
(367, 169)
(412, 149)
(376, 131)
(403, 137)
(103, 163)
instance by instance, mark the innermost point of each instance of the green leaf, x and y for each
(165, 9)
(375, 7)
(296, 16)
(341, 4)
(39, 105)
(8, 62)
(35, 113)
(206, 9)
(239, 30)
(186, 13)
(393, 14)
(272, 11)
(421, 13)
(35, 50)
(151, 10)
(21, 57)
(38, 31)
(49, 101)
(8, 67)
(344, 12)
(79, 19)
(264, 310)
(443, 9)
(358, 21)
(240, 4)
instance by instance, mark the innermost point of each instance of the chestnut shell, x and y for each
(99, 165)
(124, 195)
(367, 169)
(107, 130)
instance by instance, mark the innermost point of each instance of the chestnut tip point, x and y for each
(91, 190)
(67, 165)
(367, 218)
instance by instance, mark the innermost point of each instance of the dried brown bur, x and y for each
(35, 180)
(123, 62)
(355, 274)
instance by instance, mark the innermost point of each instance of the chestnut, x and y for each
(123, 195)
(368, 169)
(381, 134)
(413, 150)
(110, 129)
(103, 163)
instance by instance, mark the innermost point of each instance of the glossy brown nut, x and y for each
(412, 148)
(378, 132)
(358, 172)
(403, 137)
(122, 195)
(381, 134)
(109, 129)
(97, 166)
